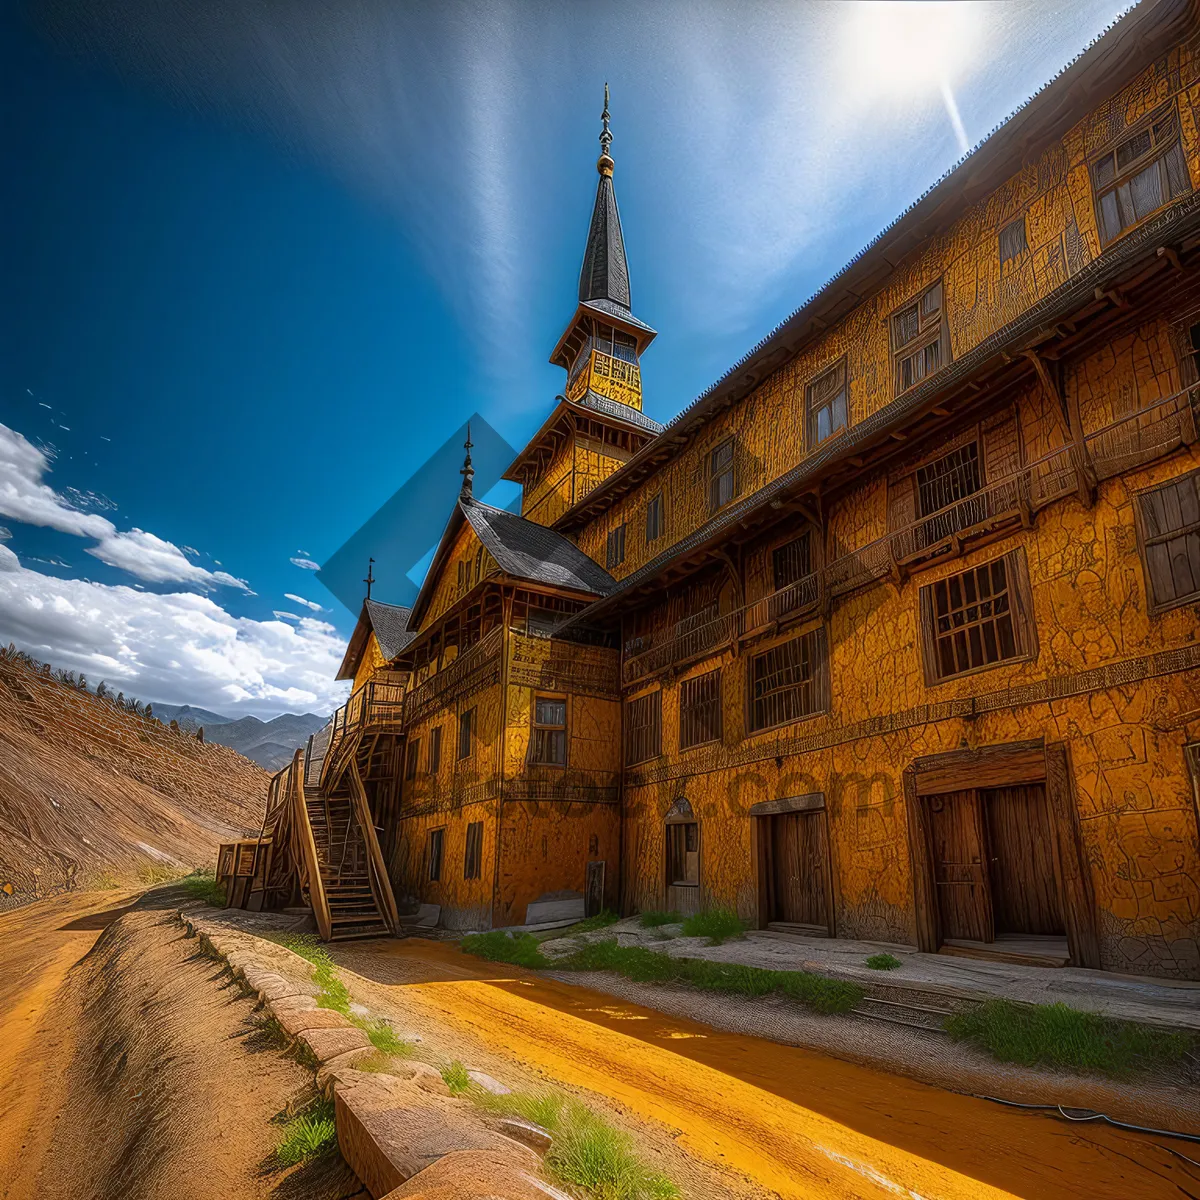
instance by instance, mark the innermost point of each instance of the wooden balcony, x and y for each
(439, 688)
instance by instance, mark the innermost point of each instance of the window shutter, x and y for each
(1024, 625)
(1001, 447)
(926, 635)
(901, 502)
(821, 684)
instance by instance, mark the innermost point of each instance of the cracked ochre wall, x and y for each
(1118, 684)
(372, 661)
(1053, 194)
(578, 465)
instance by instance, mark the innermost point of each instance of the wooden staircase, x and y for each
(344, 870)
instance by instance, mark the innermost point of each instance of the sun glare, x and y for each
(906, 48)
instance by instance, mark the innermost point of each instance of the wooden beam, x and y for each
(1067, 409)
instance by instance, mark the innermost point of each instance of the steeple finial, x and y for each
(370, 579)
(468, 471)
(604, 164)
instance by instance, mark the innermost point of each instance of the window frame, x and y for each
(817, 682)
(434, 760)
(1020, 610)
(1160, 149)
(813, 404)
(673, 831)
(686, 712)
(931, 330)
(715, 504)
(1145, 540)
(614, 546)
(412, 758)
(1017, 255)
(473, 851)
(435, 838)
(653, 741)
(779, 556)
(537, 727)
(466, 725)
(655, 518)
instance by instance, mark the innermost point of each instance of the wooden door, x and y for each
(1025, 891)
(593, 890)
(959, 859)
(799, 868)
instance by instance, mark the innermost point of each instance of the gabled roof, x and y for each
(389, 624)
(1109, 63)
(522, 549)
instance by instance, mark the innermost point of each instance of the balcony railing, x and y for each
(431, 693)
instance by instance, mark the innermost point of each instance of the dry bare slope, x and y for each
(88, 788)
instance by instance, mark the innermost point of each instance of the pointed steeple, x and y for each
(468, 471)
(605, 273)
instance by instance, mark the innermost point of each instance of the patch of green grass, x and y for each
(497, 946)
(600, 921)
(153, 875)
(587, 1153)
(643, 965)
(654, 918)
(1055, 1035)
(202, 885)
(456, 1078)
(883, 962)
(333, 994)
(384, 1038)
(308, 1136)
(716, 924)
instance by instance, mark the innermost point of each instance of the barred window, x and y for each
(466, 733)
(945, 484)
(433, 851)
(792, 561)
(826, 404)
(1012, 240)
(977, 618)
(654, 518)
(683, 854)
(787, 681)
(614, 553)
(435, 750)
(410, 764)
(473, 858)
(700, 709)
(1171, 540)
(1138, 176)
(643, 728)
(549, 743)
(721, 476)
(919, 343)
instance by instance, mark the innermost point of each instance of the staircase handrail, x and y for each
(308, 851)
(381, 886)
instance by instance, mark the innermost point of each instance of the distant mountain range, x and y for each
(271, 744)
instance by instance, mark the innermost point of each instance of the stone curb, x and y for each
(403, 1134)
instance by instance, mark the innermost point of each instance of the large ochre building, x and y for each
(892, 633)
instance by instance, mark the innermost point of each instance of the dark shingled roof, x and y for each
(388, 622)
(605, 273)
(526, 550)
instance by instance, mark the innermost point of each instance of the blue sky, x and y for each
(261, 261)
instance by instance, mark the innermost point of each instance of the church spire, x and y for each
(605, 273)
(468, 471)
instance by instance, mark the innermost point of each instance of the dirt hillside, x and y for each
(89, 789)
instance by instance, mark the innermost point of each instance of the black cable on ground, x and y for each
(1086, 1114)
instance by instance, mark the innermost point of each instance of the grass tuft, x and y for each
(385, 1039)
(497, 946)
(587, 1153)
(654, 918)
(1055, 1035)
(202, 885)
(456, 1078)
(154, 875)
(600, 921)
(311, 1135)
(716, 924)
(333, 994)
(883, 962)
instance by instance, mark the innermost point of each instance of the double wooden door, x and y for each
(796, 868)
(993, 863)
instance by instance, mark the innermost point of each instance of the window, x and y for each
(410, 764)
(654, 518)
(700, 709)
(466, 733)
(643, 728)
(943, 483)
(787, 681)
(1012, 240)
(1138, 176)
(614, 553)
(792, 561)
(435, 750)
(721, 476)
(825, 404)
(683, 854)
(1170, 527)
(919, 343)
(549, 743)
(977, 618)
(473, 859)
(434, 849)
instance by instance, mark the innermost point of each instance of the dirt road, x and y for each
(799, 1123)
(129, 1072)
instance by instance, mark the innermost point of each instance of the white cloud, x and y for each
(157, 561)
(312, 604)
(306, 563)
(178, 648)
(284, 616)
